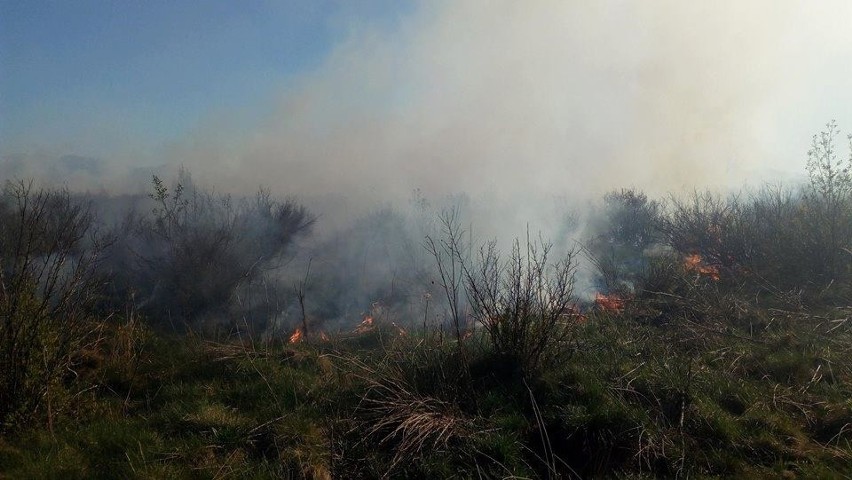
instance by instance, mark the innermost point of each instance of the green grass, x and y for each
(633, 399)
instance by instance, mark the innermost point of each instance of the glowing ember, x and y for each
(609, 303)
(694, 263)
(297, 336)
(365, 326)
(573, 314)
(401, 331)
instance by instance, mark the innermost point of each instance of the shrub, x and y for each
(48, 286)
(782, 239)
(526, 303)
(622, 233)
(201, 249)
(829, 203)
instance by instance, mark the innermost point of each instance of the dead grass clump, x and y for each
(413, 424)
(400, 417)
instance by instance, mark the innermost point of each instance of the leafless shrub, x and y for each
(829, 203)
(698, 223)
(774, 239)
(523, 303)
(450, 259)
(202, 248)
(49, 252)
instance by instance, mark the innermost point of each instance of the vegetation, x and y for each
(48, 286)
(200, 253)
(719, 345)
(643, 393)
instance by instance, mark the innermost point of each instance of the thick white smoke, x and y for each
(520, 111)
(562, 96)
(516, 102)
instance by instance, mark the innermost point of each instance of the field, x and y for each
(717, 343)
(640, 393)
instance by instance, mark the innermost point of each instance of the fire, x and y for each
(401, 331)
(573, 314)
(694, 263)
(609, 303)
(297, 336)
(365, 326)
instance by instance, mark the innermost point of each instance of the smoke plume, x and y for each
(508, 98)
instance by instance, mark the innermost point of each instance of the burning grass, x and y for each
(695, 263)
(297, 336)
(612, 303)
(686, 377)
(365, 326)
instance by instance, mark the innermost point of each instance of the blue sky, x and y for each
(157, 67)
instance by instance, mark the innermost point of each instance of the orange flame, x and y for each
(365, 326)
(694, 263)
(609, 303)
(297, 336)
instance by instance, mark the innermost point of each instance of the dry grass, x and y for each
(396, 416)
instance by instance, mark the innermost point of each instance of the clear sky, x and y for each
(386, 96)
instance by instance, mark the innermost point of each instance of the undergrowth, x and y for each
(643, 393)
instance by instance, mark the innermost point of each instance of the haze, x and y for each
(502, 99)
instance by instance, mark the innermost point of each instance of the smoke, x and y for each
(509, 101)
(520, 110)
(508, 98)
